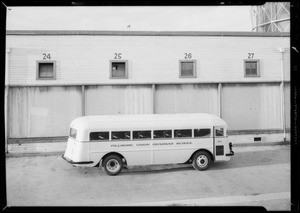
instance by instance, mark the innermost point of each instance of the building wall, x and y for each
(252, 106)
(48, 111)
(190, 98)
(45, 108)
(42, 111)
(133, 99)
(85, 59)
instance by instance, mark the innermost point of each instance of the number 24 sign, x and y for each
(46, 56)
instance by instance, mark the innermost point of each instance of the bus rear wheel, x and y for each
(201, 161)
(112, 165)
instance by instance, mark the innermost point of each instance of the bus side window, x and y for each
(162, 134)
(141, 134)
(219, 131)
(182, 133)
(201, 132)
(120, 135)
(95, 136)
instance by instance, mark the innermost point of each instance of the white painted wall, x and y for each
(85, 58)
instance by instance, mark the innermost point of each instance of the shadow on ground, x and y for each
(239, 160)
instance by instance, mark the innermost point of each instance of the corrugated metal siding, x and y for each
(247, 106)
(48, 111)
(85, 59)
(186, 98)
(118, 100)
(43, 111)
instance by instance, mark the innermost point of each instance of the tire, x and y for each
(201, 161)
(112, 165)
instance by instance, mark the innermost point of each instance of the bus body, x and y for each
(112, 141)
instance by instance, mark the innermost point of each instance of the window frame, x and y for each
(118, 61)
(99, 139)
(206, 136)
(38, 69)
(258, 68)
(219, 136)
(138, 131)
(175, 137)
(154, 138)
(194, 68)
(120, 139)
(72, 134)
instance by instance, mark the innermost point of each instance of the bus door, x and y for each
(220, 142)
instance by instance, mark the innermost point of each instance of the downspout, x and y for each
(281, 50)
(7, 54)
(220, 100)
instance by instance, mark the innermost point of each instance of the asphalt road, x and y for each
(255, 176)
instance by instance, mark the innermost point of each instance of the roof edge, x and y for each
(147, 33)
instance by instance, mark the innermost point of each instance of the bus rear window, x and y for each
(96, 136)
(122, 135)
(73, 133)
(201, 132)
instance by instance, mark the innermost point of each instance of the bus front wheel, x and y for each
(201, 161)
(112, 165)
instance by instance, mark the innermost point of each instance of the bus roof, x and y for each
(146, 122)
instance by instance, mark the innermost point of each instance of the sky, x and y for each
(134, 18)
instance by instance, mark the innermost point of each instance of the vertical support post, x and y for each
(282, 95)
(7, 123)
(220, 100)
(153, 98)
(83, 112)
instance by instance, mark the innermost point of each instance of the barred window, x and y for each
(118, 69)
(187, 68)
(251, 68)
(46, 70)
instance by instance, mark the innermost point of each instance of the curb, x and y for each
(262, 144)
(33, 154)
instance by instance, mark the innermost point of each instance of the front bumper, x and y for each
(78, 162)
(231, 152)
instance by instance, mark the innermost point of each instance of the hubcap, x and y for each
(202, 161)
(112, 165)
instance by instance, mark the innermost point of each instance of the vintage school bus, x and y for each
(114, 141)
